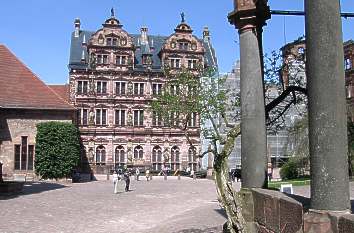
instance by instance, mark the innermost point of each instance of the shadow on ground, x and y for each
(33, 188)
(207, 230)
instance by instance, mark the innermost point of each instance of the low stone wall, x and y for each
(274, 212)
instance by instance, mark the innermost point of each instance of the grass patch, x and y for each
(296, 182)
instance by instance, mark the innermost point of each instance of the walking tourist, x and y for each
(127, 180)
(115, 182)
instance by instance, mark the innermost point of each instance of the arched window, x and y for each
(192, 158)
(101, 154)
(157, 158)
(175, 162)
(138, 152)
(120, 156)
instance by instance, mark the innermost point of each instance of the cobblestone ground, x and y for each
(182, 206)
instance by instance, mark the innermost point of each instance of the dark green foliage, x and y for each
(295, 167)
(289, 170)
(57, 149)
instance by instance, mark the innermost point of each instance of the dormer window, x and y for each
(100, 39)
(183, 45)
(121, 60)
(102, 59)
(111, 41)
(175, 63)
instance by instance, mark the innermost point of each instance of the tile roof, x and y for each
(62, 90)
(20, 88)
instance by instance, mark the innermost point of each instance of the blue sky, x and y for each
(38, 31)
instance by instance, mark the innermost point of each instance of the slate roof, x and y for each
(77, 49)
(20, 88)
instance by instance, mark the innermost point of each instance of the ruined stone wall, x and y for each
(15, 123)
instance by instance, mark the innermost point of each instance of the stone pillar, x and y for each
(210, 163)
(1, 180)
(327, 109)
(249, 18)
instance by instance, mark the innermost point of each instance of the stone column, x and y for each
(1, 180)
(327, 109)
(248, 18)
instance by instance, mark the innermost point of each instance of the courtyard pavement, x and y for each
(157, 206)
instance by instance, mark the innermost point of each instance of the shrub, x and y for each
(57, 149)
(290, 170)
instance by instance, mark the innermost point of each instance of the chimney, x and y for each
(144, 37)
(77, 27)
(206, 34)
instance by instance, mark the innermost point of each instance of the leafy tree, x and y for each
(57, 149)
(185, 93)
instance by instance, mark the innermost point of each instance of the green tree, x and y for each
(57, 149)
(186, 93)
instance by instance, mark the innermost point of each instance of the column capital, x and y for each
(249, 14)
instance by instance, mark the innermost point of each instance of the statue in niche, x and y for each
(91, 117)
(130, 118)
(90, 155)
(130, 88)
(166, 155)
(130, 155)
(92, 87)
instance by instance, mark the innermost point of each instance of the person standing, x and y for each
(137, 173)
(147, 174)
(127, 180)
(115, 182)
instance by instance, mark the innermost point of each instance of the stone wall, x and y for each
(15, 123)
(271, 211)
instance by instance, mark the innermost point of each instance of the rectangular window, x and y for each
(101, 87)
(121, 60)
(109, 41)
(138, 117)
(101, 116)
(79, 117)
(104, 116)
(156, 119)
(98, 116)
(120, 88)
(84, 116)
(114, 41)
(156, 88)
(23, 152)
(347, 64)
(174, 89)
(102, 59)
(30, 157)
(176, 63)
(192, 120)
(82, 87)
(17, 157)
(192, 64)
(138, 88)
(120, 117)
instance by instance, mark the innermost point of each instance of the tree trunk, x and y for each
(229, 199)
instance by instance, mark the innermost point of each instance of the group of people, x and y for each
(117, 176)
(125, 176)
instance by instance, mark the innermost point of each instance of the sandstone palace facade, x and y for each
(113, 77)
